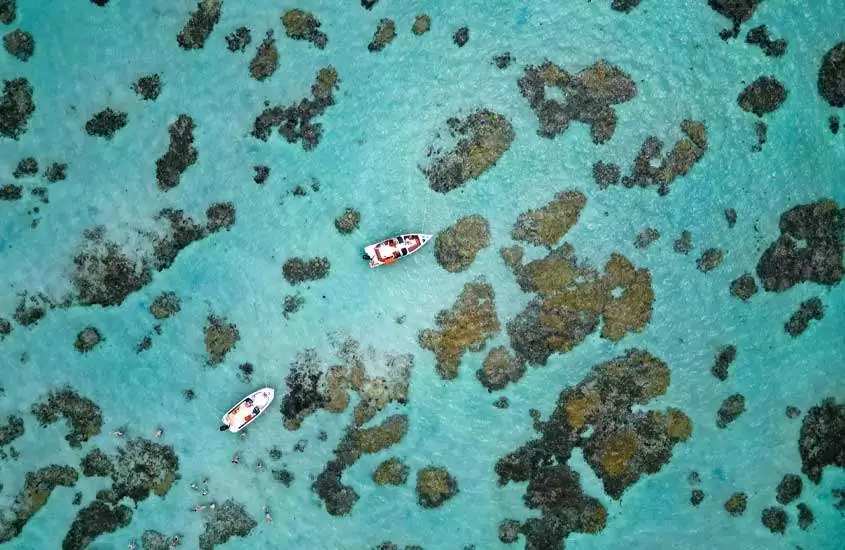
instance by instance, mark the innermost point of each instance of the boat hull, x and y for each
(390, 250)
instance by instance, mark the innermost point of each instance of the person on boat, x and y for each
(248, 402)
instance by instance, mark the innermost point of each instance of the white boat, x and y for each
(247, 410)
(389, 250)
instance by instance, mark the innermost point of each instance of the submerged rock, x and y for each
(696, 497)
(422, 24)
(764, 95)
(775, 519)
(200, 24)
(87, 339)
(822, 439)
(435, 486)
(710, 260)
(148, 87)
(832, 76)
(800, 320)
(347, 222)
(500, 368)
(261, 174)
(789, 488)
(291, 304)
(19, 44)
(731, 408)
(805, 516)
(456, 246)
(266, 59)
(724, 358)
(227, 520)
(809, 249)
(26, 167)
(509, 531)
(833, 124)
(466, 327)
(646, 237)
(106, 123)
(730, 217)
(461, 37)
(221, 337)
(589, 96)
(683, 244)
(545, 226)
(8, 11)
(11, 192)
(384, 35)
(297, 271)
(482, 139)
(180, 154)
(12, 430)
(759, 36)
(219, 216)
(503, 60)
(303, 25)
(605, 174)
(16, 107)
(83, 417)
(744, 287)
(620, 445)
(238, 40)
(56, 172)
(738, 11)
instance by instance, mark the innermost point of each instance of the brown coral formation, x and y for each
(589, 96)
(620, 445)
(482, 139)
(384, 35)
(266, 59)
(455, 247)
(422, 24)
(435, 486)
(572, 299)
(221, 336)
(391, 472)
(303, 25)
(546, 225)
(500, 368)
(466, 327)
(200, 24)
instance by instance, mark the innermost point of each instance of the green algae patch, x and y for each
(465, 328)
(482, 139)
(455, 247)
(83, 416)
(619, 444)
(545, 226)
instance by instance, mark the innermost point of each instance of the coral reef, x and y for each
(605, 174)
(738, 11)
(106, 123)
(775, 519)
(200, 24)
(16, 106)
(26, 167)
(730, 217)
(227, 520)
(38, 486)
(303, 25)
(238, 40)
(19, 44)
(589, 95)
(384, 35)
(84, 418)
(284, 477)
(805, 516)
(502, 402)
(710, 260)
(683, 244)
(831, 82)
(30, 310)
(809, 248)
(435, 486)
(11, 192)
(759, 36)
(624, 6)
(482, 139)
(731, 408)
(291, 304)
(764, 95)
(221, 337)
(220, 215)
(5, 328)
(822, 439)
(12, 430)
(347, 222)
(736, 504)
(455, 247)
(509, 531)
(807, 311)
(96, 463)
(744, 287)
(87, 339)
(261, 174)
(422, 24)
(620, 445)
(165, 305)
(646, 237)
(545, 226)
(725, 356)
(295, 122)
(466, 327)
(696, 497)
(148, 87)
(8, 11)
(391, 472)
(180, 154)
(297, 271)
(95, 519)
(500, 368)
(833, 124)
(461, 37)
(266, 59)
(789, 488)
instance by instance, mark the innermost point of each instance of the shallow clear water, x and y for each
(389, 107)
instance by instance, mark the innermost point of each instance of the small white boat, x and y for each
(390, 250)
(250, 407)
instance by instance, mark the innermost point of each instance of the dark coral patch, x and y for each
(764, 95)
(738, 11)
(148, 86)
(239, 39)
(8, 11)
(83, 416)
(809, 249)
(227, 520)
(26, 167)
(16, 107)
(200, 24)
(724, 358)
(106, 123)
(759, 36)
(303, 25)
(180, 154)
(589, 97)
(456, 246)
(266, 59)
(221, 337)
(384, 35)
(732, 407)
(822, 439)
(19, 44)
(832, 76)
(800, 320)
(38, 486)
(297, 270)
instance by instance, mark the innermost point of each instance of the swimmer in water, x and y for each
(159, 432)
(198, 508)
(235, 459)
(133, 544)
(174, 541)
(259, 465)
(117, 433)
(267, 517)
(195, 487)
(212, 506)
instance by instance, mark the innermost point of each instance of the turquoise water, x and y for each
(389, 107)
